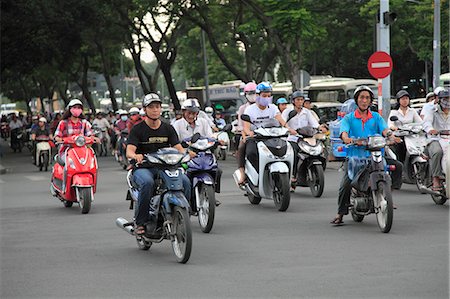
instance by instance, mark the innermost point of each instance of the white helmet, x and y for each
(74, 102)
(134, 110)
(438, 89)
(142, 112)
(43, 119)
(209, 110)
(191, 104)
(123, 112)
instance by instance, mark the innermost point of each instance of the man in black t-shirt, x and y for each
(147, 137)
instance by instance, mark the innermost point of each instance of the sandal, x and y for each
(436, 188)
(337, 220)
(140, 230)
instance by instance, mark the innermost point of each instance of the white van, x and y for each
(338, 91)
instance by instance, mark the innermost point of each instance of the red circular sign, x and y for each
(380, 65)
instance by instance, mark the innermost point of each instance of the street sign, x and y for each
(380, 65)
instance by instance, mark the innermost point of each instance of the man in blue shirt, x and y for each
(359, 124)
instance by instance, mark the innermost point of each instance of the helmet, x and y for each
(219, 107)
(134, 110)
(281, 101)
(297, 94)
(74, 102)
(263, 87)
(361, 88)
(209, 110)
(249, 87)
(444, 93)
(191, 104)
(43, 119)
(402, 93)
(142, 112)
(150, 98)
(429, 95)
(307, 99)
(123, 112)
(438, 89)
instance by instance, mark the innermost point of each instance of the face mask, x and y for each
(76, 111)
(251, 98)
(445, 103)
(263, 101)
(124, 118)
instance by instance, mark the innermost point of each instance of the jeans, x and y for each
(434, 151)
(145, 181)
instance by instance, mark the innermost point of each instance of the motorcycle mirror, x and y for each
(393, 118)
(246, 118)
(195, 137)
(291, 115)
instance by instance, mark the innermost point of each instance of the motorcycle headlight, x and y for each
(171, 159)
(376, 142)
(80, 141)
(152, 159)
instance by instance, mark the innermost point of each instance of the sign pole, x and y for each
(380, 96)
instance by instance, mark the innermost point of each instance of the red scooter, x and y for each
(75, 178)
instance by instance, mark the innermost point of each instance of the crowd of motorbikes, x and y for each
(74, 177)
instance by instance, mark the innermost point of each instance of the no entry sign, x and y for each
(380, 65)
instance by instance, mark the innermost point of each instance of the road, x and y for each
(48, 251)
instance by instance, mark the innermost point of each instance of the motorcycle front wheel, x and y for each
(281, 194)
(317, 180)
(385, 208)
(182, 235)
(206, 208)
(223, 154)
(84, 197)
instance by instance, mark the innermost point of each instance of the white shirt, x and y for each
(185, 130)
(304, 118)
(240, 122)
(429, 107)
(409, 117)
(204, 115)
(261, 117)
(101, 123)
(15, 124)
(436, 120)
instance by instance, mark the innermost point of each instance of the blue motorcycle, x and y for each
(169, 205)
(205, 178)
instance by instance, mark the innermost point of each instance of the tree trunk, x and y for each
(107, 74)
(138, 66)
(84, 84)
(165, 68)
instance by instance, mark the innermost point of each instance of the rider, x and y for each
(135, 118)
(361, 123)
(15, 124)
(191, 123)
(72, 123)
(119, 126)
(432, 100)
(303, 118)
(219, 121)
(147, 137)
(406, 115)
(439, 120)
(103, 124)
(282, 104)
(261, 112)
(250, 95)
(41, 130)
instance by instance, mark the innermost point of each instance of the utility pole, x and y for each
(437, 44)
(122, 93)
(205, 66)
(384, 45)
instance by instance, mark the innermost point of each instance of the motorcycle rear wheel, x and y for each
(223, 154)
(385, 210)
(84, 197)
(356, 217)
(317, 182)
(281, 194)
(182, 234)
(207, 208)
(254, 200)
(68, 204)
(142, 243)
(45, 160)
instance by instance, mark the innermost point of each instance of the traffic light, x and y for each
(389, 17)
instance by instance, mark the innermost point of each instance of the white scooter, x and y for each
(444, 140)
(43, 150)
(224, 139)
(269, 179)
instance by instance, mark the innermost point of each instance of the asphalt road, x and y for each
(48, 251)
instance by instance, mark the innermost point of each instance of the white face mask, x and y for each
(124, 118)
(251, 98)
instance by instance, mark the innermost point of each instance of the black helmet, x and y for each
(361, 88)
(297, 94)
(402, 93)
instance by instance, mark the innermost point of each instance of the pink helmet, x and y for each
(250, 86)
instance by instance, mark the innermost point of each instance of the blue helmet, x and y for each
(281, 101)
(263, 87)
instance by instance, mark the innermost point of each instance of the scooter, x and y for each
(270, 178)
(74, 179)
(371, 183)
(205, 177)
(100, 148)
(312, 160)
(16, 139)
(43, 150)
(121, 152)
(170, 208)
(224, 146)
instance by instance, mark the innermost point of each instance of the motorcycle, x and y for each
(275, 159)
(312, 159)
(16, 139)
(205, 177)
(415, 170)
(43, 150)
(440, 197)
(74, 179)
(224, 146)
(100, 148)
(371, 183)
(170, 206)
(5, 131)
(121, 152)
